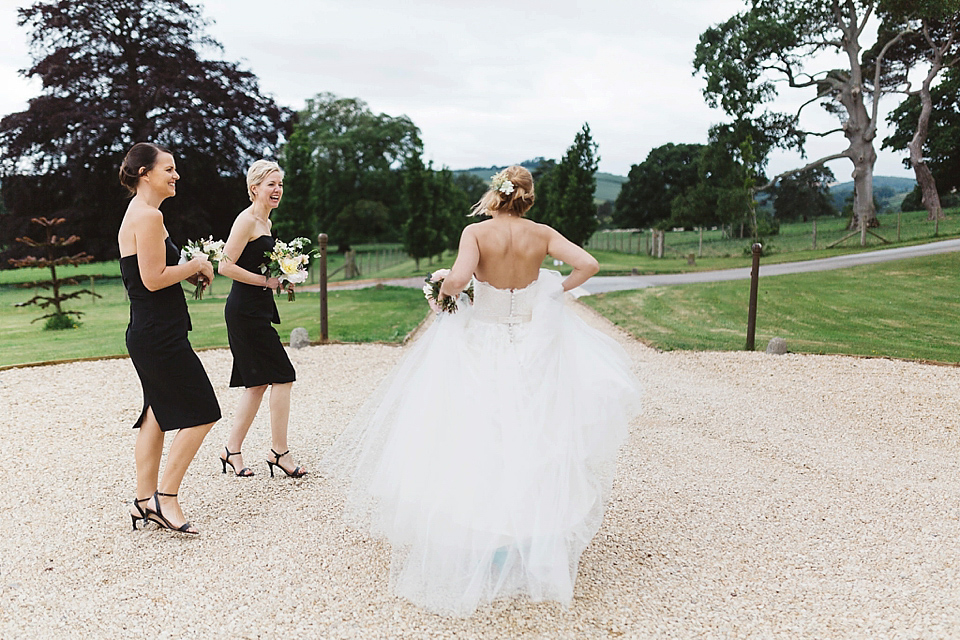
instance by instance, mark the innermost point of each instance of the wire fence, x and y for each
(815, 234)
(365, 261)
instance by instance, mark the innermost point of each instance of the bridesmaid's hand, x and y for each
(203, 267)
(273, 283)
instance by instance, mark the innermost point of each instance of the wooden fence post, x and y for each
(757, 249)
(814, 234)
(322, 242)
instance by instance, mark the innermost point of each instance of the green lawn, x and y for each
(828, 312)
(386, 314)
(905, 309)
(794, 238)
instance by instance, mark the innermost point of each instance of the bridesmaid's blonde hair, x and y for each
(511, 191)
(258, 172)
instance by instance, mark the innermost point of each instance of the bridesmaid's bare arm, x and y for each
(152, 255)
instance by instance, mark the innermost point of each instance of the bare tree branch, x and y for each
(810, 101)
(791, 81)
(822, 134)
(866, 16)
(878, 67)
(816, 163)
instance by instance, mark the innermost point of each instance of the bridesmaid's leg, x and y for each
(182, 451)
(246, 411)
(149, 449)
(279, 419)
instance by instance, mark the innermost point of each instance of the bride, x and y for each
(487, 456)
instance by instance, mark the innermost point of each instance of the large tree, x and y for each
(931, 45)
(569, 189)
(941, 149)
(667, 172)
(115, 72)
(804, 195)
(340, 153)
(776, 40)
(423, 229)
(729, 169)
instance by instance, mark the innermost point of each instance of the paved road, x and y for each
(603, 284)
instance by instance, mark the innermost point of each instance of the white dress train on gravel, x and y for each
(487, 456)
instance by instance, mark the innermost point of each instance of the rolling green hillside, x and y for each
(608, 184)
(889, 190)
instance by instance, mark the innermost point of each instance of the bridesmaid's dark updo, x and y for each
(138, 161)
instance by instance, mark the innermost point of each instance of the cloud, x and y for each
(489, 83)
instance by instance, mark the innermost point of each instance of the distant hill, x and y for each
(889, 191)
(608, 184)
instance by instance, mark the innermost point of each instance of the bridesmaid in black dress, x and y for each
(177, 395)
(259, 360)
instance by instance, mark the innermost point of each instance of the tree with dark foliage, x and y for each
(567, 203)
(805, 195)
(116, 72)
(668, 172)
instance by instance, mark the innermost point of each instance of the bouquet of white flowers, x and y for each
(431, 291)
(287, 262)
(212, 249)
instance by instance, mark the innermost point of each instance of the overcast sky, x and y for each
(487, 83)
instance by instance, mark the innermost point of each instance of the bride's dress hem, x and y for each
(486, 457)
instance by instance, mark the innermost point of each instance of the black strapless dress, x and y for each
(173, 379)
(258, 355)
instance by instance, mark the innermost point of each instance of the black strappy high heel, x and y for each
(143, 515)
(246, 472)
(296, 473)
(158, 517)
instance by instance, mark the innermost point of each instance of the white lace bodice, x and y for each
(504, 306)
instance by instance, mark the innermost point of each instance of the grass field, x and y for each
(692, 317)
(904, 309)
(794, 238)
(387, 314)
(617, 251)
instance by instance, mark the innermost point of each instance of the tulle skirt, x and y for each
(487, 456)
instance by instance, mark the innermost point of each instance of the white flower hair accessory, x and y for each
(500, 183)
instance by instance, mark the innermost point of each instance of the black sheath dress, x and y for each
(173, 380)
(258, 355)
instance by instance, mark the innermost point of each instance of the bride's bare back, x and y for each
(511, 251)
(507, 251)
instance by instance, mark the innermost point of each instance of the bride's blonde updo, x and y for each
(510, 192)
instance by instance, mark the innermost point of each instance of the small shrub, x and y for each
(59, 321)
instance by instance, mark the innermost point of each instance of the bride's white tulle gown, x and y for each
(487, 456)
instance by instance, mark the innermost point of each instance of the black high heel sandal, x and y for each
(246, 472)
(296, 473)
(158, 517)
(143, 515)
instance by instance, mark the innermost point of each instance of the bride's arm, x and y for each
(468, 255)
(584, 265)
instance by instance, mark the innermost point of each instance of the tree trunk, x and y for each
(860, 129)
(928, 186)
(864, 213)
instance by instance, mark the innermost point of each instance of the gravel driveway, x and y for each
(758, 496)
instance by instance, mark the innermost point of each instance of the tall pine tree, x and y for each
(421, 230)
(572, 211)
